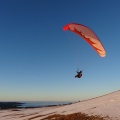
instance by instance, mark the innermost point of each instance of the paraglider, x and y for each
(88, 35)
(79, 74)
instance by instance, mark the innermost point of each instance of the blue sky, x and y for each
(38, 60)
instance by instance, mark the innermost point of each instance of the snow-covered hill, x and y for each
(106, 106)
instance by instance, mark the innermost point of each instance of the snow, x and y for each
(107, 105)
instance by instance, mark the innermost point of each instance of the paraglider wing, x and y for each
(87, 34)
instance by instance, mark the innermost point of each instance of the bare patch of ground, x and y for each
(74, 116)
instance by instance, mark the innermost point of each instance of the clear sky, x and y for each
(38, 60)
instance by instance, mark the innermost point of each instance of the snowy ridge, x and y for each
(105, 106)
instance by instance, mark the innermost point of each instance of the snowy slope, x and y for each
(107, 105)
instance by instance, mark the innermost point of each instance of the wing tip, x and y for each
(103, 55)
(65, 27)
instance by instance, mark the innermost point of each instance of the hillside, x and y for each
(100, 108)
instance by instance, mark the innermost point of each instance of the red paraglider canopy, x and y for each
(88, 35)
